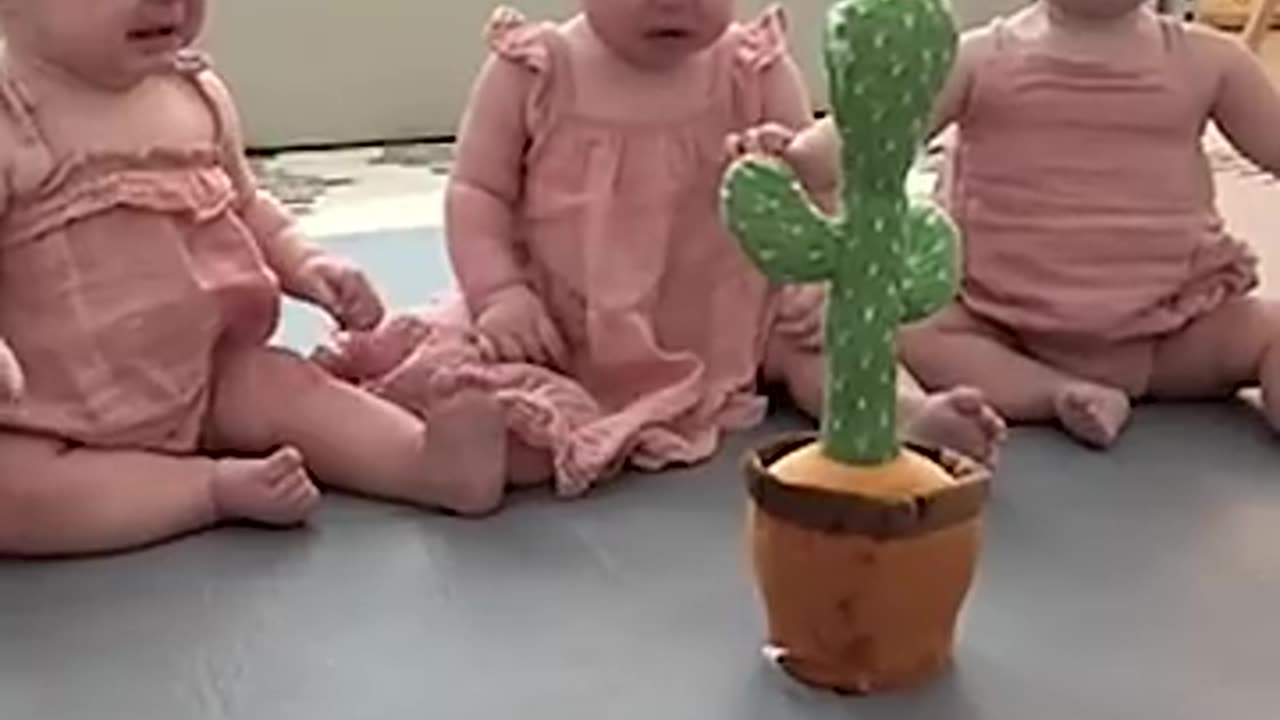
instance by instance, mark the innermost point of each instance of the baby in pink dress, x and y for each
(1098, 270)
(604, 304)
(141, 273)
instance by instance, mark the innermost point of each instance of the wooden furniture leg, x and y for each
(1261, 14)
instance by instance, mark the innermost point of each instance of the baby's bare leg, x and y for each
(59, 500)
(359, 442)
(946, 354)
(1234, 347)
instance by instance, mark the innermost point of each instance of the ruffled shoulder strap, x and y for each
(25, 158)
(230, 137)
(513, 37)
(762, 41)
(539, 49)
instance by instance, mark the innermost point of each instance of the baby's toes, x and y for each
(302, 494)
(992, 423)
(966, 401)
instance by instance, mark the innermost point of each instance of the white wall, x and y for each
(332, 71)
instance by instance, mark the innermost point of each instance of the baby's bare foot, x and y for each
(1093, 414)
(960, 420)
(275, 490)
(466, 454)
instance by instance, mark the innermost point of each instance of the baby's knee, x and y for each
(918, 338)
(1269, 327)
(269, 371)
(27, 509)
(253, 388)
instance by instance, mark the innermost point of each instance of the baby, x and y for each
(141, 274)
(1098, 271)
(604, 304)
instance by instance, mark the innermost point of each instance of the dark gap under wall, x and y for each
(328, 147)
(267, 152)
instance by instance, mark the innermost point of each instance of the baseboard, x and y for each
(268, 151)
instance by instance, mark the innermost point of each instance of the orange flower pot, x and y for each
(863, 571)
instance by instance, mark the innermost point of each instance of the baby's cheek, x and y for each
(716, 14)
(196, 13)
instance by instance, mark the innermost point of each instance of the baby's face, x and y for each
(657, 34)
(113, 41)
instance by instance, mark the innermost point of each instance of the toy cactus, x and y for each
(864, 548)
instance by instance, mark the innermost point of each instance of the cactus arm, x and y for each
(777, 226)
(932, 265)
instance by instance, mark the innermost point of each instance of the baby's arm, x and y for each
(486, 183)
(1246, 105)
(274, 227)
(304, 271)
(814, 154)
(480, 210)
(786, 95)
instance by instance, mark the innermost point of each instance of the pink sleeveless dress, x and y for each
(121, 274)
(1087, 206)
(666, 320)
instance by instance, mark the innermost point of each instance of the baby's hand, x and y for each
(517, 328)
(12, 382)
(810, 154)
(342, 290)
(770, 140)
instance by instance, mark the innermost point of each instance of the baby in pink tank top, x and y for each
(1097, 269)
(603, 302)
(141, 273)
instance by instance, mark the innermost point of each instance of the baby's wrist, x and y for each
(291, 269)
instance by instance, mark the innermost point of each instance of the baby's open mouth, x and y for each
(154, 32)
(667, 34)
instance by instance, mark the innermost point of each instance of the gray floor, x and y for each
(1138, 584)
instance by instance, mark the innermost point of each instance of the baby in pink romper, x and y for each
(1098, 270)
(141, 274)
(605, 305)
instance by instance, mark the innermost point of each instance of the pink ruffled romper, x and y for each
(122, 273)
(666, 320)
(1087, 206)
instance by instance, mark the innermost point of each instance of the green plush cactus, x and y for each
(887, 259)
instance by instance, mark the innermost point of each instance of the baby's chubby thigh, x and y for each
(258, 397)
